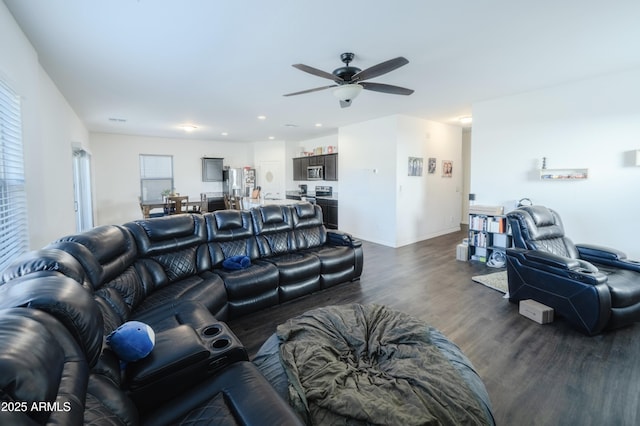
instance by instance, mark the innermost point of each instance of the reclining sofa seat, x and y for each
(127, 286)
(43, 364)
(230, 233)
(173, 251)
(593, 287)
(46, 262)
(299, 272)
(338, 263)
(158, 271)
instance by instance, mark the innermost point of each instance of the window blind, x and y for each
(13, 200)
(156, 177)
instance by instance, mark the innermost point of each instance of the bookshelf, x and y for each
(564, 174)
(488, 232)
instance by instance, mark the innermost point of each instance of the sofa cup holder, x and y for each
(212, 330)
(221, 343)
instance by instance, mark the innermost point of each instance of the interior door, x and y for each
(271, 179)
(82, 189)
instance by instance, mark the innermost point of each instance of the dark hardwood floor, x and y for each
(535, 374)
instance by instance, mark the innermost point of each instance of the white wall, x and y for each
(593, 124)
(50, 127)
(117, 169)
(428, 205)
(367, 176)
(466, 174)
(379, 202)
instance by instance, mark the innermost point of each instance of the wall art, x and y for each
(415, 166)
(447, 168)
(432, 165)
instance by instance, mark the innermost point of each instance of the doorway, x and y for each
(83, 204)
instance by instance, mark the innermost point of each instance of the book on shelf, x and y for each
(487, 224)
(478, 223)
(500, 240)
(496, 225)
(478, 239)
(486, 210)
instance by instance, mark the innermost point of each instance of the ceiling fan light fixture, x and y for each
(347, 92)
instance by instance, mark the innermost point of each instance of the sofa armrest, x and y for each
(339, 238)
(182, 358)
(66, 300)
(607, 256)
(600, 252)
(553, 263)
(241, 394)
(551, 259)
(176, 363)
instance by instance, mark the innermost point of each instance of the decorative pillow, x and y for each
(236, 262)
(132, 341)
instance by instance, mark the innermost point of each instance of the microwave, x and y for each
(315, 173)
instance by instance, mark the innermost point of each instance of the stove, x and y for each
(324, 191)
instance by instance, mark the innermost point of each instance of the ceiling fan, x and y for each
(349, 81)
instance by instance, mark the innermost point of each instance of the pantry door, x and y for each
(271, 179)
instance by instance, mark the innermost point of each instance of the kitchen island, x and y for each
(325, 198)
(248, 203)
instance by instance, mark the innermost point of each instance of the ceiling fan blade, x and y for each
(386, 88)
(317, 72)
(345, 104)
(381, 68)
(317, 89)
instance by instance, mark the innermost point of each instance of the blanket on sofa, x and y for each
(358, 364)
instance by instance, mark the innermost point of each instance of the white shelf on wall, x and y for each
(564, 174)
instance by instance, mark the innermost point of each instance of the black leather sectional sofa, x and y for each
(58, 304)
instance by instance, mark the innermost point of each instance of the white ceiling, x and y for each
(219, 64)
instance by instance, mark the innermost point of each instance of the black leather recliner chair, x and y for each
(593, 287)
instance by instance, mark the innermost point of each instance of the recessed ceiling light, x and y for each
(271, 138)
(467, 119)
(224, 134)
(318, 124)
(262, 117)
(188, 127)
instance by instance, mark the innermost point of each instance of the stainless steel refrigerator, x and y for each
(238, 182)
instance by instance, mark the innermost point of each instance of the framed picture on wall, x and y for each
(415, 166)
(447, 168)
(431, 165)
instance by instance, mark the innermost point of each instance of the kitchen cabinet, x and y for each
(329, 161)
(316, 160)
(331, 167)
(211, 169)
(329, 212)
(300, 165)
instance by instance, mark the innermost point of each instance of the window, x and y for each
(82, 189)
(156, 177)
(13, 198)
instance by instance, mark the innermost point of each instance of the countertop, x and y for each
(255, 202)
(313, 194)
